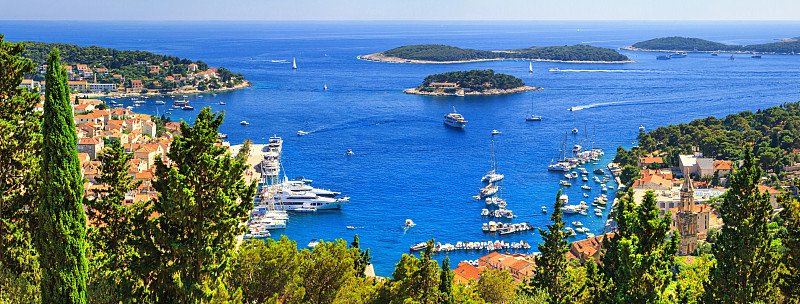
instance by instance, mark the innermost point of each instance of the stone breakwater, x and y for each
(521, 89)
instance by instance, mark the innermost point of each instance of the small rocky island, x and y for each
(474, 82)
(685, 44)
(437, 53)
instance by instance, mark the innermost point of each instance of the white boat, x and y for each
(544, 209)
(589, 235)
(160, 102)
(187, 108)
(409, 223)
(530, 67)
(533, 117)
(301, 133)
(268, 223)
(275, 144)
(454, 119)
(585, 179)
(221, 103)
(305, 210)
(586, 187)
(484, 212)
(244, 123)
(349, 152)
(294, 64)
(492, 176)
(313, 243)
(575, 131)
(554, 70)
(488, 191)
(130, 108)
(495, 132)
(577, 224)
(300, 186)
(292, 200)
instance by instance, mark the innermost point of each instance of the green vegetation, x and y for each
(476, 80)
(132, 65)
(773, 134)
(438, 52)
(696, 44)
(61, 235)
(747, 258)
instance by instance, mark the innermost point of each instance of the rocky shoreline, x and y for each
(521, 89)
(379, 57)
(631, 48)
(243, 85)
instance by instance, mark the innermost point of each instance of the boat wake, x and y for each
(612, 71)
(360, 123)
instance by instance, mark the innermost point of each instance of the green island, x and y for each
(474, 82)
(437, 53)
(684, 44)
(103, 70)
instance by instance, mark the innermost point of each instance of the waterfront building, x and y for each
(444, 85)
(136, 85)
(101, 87)
(687, 219)
(78, 85)
(465, 272)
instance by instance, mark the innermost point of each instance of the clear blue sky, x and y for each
(399, 10)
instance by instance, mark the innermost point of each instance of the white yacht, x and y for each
(221, 103)
(244, 123)
(267, 224)
(454, 119)
(298, 186)
(488, 191)
(492, 176)
(305, 199)
(554, 70)
(275, 144)
(495, 132)
(301, 133)
(160, 102)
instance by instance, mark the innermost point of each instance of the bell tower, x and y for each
(687, 218)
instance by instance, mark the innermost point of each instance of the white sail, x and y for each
(530, 66)
(294, 64)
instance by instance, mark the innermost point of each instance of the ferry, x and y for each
(180, 103)
(454, 119)
(677, 55)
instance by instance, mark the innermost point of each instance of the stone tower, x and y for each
(687, 219)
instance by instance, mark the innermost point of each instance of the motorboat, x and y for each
(244, 123)
(585, 179)
(570, 231)
(715, 53)
(598, 171)
(454, 119)
(677, 55)
(495, 132)
(577, 224)
(586, 187)
(275, 144)
(484, 212)
(574, 174)
(544, 209)
(582, 212)
(292, 200)
(485, 227)
(222, 135)
(160, 102)
(560, 166)
(589, 235)
(301, 133)
(585, 195)
(313, 243)
(409, 223)
(575, 131)
(568, 176)
(756, 56)
(299, 178)
(180, 103)
(554, 70)
(221, 103)
(564, 183)
(349, 152)
(351, 227)
(187, 108)
(662, 57)
(533, 118)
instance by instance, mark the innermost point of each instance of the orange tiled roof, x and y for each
(770, 190)
(468, 271)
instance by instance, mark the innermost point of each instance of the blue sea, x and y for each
(407, 164)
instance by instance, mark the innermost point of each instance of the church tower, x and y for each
(687, 219)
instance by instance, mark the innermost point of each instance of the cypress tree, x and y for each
(552, 268)
(62, 221)
(362, 261)
(747, 261)
(446, 282)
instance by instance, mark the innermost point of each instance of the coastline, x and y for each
(243, 85)
(631, 48)
(379, 57)
(491, 92)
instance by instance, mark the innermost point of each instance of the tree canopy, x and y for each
(438, 52)
(476, 80)
(697, 44)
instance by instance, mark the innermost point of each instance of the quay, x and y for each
(496, 245)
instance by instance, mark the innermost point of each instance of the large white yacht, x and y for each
(275, 144)
(293, 200)
(293, 185)
(454, 119)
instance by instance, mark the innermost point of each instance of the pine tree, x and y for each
(446, 282)
(62, 221)
(791, 259)
(20, 147)
(363, 259)
(552, 268)
(594, 283)
(747, 262)
(202, 200)
(638, 260)
(112, 234)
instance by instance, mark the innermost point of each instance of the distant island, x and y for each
(684, 44)
(474, 82)
(437, 53)
(100, 70)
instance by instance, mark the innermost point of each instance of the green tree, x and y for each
(325, 270)
(415, 279)
(747, 261)
(220, 294)
(496, 286)
(630, 173)
(552, 267)
(362, 261)
(20, 147)
(691, 280)
(62, 221)
(638, 260)
(202, 201)
(446, 282)
(264, 269)
(594, 284)
(112, 233)
(791, 258)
